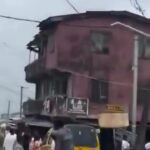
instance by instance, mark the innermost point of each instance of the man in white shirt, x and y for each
(125, 144)
(9, 140)
(147, 146)
(53, 145)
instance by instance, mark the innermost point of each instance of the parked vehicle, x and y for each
(84, 137)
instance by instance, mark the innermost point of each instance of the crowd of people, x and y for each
(32, 139)
(13, 139)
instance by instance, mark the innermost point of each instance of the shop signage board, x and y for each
(113, 116)
(115, 109)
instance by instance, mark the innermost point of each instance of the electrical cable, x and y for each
(138, 7)
(36, 21)
(12, 91)
(72, 6)
(19, 19)
(105, 81)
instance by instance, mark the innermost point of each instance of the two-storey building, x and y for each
(83, 55)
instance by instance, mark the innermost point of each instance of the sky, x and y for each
(14, 35)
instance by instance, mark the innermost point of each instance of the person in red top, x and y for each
(36, 142)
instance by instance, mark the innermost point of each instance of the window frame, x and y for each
(105, 46)
(103, 84)
(142, 93)
(99, 98)
(40, 90)
(53, 82)
(143, 47)
(51, 42)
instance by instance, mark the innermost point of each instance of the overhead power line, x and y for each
(12, 91)
(72, 6)
(111, 82)
(19, 19)
(138, 7)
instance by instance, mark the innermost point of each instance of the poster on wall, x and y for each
(46, 105)
(77, 106)
(54, 105)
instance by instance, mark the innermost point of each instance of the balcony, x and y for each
(57, 106)
(35, 70)
(32, 107)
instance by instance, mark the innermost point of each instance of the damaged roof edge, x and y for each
(56, 19)
(33, 42)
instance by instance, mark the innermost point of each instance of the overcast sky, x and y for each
(14, 35)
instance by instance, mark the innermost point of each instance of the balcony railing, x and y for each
(57, 105)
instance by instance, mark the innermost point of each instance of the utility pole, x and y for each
(135, 84)
(135, 71)
(8, 111)
(21, 99)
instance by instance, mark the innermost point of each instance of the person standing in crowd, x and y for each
(125, 144)
(31, 144)
(63, 137)
(2, 135)
(53, 144)
(51, 140)
(48, 142)
(18, 144)
(147, 146)
(7, 131)
(25, 139)
(9, 140)
(36, 142)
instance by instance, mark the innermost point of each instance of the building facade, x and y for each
(84, 56)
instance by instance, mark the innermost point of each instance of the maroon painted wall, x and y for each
(72, 40)
(71, 53)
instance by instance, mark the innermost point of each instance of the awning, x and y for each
(38, 122)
